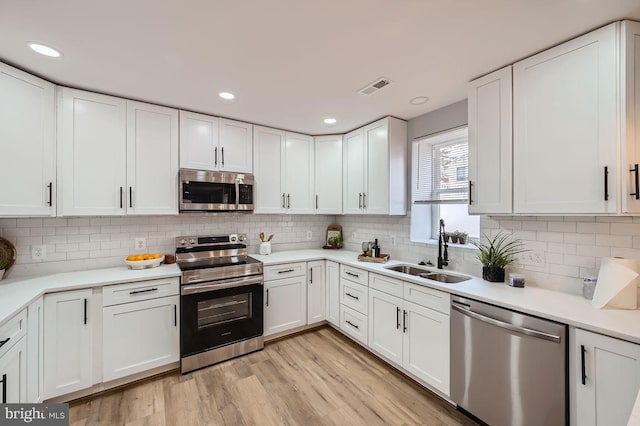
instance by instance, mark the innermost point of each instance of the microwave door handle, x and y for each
(237, 192)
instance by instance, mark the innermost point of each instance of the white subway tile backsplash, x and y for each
(561, 248)
(532, 225)
(561, 226)
(593, 228)
(625, 228)
(552, 237)
(614, 240)
(579, 238)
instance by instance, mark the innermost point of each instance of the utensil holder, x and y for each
(265, 247)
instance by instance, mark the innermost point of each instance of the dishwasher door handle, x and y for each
(506, 325)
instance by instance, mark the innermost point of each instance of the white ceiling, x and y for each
(291, 63)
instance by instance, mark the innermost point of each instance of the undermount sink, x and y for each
(441, 277)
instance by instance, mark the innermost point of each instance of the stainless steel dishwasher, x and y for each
(508, 368)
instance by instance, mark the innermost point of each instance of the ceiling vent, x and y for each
(374, 86)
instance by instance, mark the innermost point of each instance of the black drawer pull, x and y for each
(397, 318)
(352, 324)
(175, 315)
(267, 298)
(285, 271)
(636, 181)
(50, 186)
(85, 311)
(606, 183)
(149, 290)
(470, 185)
(583, 351)
(352, 274)
(4, 342)
(404, 321)
(352, 296)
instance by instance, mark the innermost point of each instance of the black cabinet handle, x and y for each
(583, 351)
(364, 200)
(317, 200)
(636, 181)
(130, 197)
(359, 200)
(215, 154)
(175, 315)
(222, 149)
(85, 311)
(283, 205)
(267, 297)
(470, 185)
(143, 291)
(50, 186)
(352, 296)
(4, 342)
(352, 324)
(404, 321)
(284, 271)
(4, 388)
(288, 201)
(120, 197)
(606, 183)
(397, 317)
(352, 274)
(311, 276)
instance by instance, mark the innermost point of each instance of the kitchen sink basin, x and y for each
(441, 277)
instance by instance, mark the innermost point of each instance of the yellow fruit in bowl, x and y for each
(157, 255)
(147, 256)
(139, 257)
(131, 257)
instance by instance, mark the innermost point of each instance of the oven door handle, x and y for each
(220, 285)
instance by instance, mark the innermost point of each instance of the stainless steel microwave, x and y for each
(203, 190)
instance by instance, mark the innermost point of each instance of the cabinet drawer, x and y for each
(386, 285)
(284, 271)
(141, 290)
(355, 296)
(354, 324)
(354, 274)
(428, 297)
(12, 331)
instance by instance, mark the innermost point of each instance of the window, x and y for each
(440, 185)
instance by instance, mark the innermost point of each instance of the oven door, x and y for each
(218, 313)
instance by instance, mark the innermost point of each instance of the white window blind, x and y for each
(440, 168)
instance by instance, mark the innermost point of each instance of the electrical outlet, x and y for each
(141, 243)
(393, 240)
(353, 236)
(309, 235)
(38, 252)
(532, 258)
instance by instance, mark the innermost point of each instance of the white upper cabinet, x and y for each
(283, 172)
(152, 159)
(374, 168)
(328, 174)
(630, 117)
(566, 127)
(490, 143)
(212, 143)
(92, 154)
(27, 141)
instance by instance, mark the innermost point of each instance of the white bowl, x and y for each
(143, 264)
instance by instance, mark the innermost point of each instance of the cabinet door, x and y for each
(491, 143)
(198, 141)
(426, 345)
(299, 174)
(285, 304)
(35, 351)
(385, 325)
(376, 178)
(68, 342)
(566, 127)
(13, 374)
(27, 141)
(236, 146)
(328, 174)
(612, 379)
(92, 154)
(333, 293)
(316, 292)
(152, 159)
(631, 116)
(268, 161)
(140, 336)
(353, 172)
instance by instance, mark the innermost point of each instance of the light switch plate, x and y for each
(309, 235)
(532, 258)
(140, 243)
(393, 240)
(38, 252)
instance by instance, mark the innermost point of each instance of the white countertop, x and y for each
(557, 306)
(17, 293)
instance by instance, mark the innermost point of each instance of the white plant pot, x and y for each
(265, 247)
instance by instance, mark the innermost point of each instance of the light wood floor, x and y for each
(316, 378)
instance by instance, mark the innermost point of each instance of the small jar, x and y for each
(265, 247)
(588, 287)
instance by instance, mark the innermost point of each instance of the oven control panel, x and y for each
(210, 240)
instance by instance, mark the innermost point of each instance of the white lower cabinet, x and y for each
(13, 373)
(35, 350)
(140, 336)
(315, 291)
(354, 324)
(285, 302)
(332, 296)
(606, 375)
(385, 325)
(68, 342)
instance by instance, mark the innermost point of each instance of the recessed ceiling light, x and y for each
(330, 120)
(226, 95)
(44, 50)
(419, 100)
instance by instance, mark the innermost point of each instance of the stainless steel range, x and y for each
(221, 299)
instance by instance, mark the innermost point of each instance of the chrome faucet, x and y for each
(443, 258)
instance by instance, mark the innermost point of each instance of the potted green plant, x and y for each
(496, 253)
(462, 237)
(446, 236)
(454, 237)
(335, 242)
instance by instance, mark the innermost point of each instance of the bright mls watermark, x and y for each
(34, 414)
